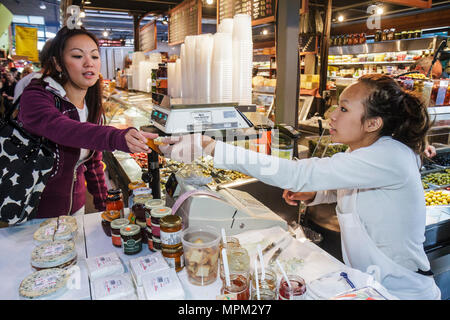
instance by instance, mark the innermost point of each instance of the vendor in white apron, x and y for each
(376, 183)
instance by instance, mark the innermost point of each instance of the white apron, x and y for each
(360, 252)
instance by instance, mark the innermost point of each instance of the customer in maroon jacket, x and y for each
(76, 130)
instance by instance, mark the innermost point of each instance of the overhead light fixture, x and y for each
(265, 32)
(105, 33)
(79, 22)
(209, 1)
(165, 20)
(341, 18)
(380, 10)
(42, 6)
(82, 14)
(87, 2)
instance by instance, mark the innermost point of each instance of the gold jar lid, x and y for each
(170, 221)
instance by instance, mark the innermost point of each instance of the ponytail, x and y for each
(404, 115)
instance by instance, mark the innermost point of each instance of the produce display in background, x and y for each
(442, 159)
(325, 148)
(437, 197)
(441, 178)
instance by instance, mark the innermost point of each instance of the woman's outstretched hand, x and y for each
(291, 197)
(137, 140)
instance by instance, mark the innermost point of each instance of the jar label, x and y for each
(53, 250)
(170, 238)
(174, 262)
(116, 240)
(132, 245)
(42, 283)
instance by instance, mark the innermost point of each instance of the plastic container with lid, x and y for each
(131, 239)
(156, 215)
(107, 217)
(115, 231)
(152, 204)
(170, 231)
(174, 257)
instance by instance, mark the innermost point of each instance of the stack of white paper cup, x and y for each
(183, 67)
(225, 26)
(171, 79)
(242, 59)
(204, 47)
(178, 78)
(191, 79)
(222, 68)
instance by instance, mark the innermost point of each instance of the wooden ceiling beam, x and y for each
(424, 4)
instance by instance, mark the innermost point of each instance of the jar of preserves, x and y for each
(156, 215)
(345, 40)
(170, 231)
(115, 203)
(384, 35)
(115, 231)
(143, 225)
(107, 218)
(131, 239)
(296, 290)
(397, 35)
(139, 209)
(156, 243)
(418, 33)
(174, 257)
(350, 40)
(152, 204)
(131, 187)
(149, 238)
(404, 34)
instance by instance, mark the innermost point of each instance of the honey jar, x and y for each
(174, 257)
(170, 231)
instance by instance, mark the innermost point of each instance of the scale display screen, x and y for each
(159, 117)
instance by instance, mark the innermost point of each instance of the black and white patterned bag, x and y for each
(26, 162)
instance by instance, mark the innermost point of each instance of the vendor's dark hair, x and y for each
(404, 115)
(58, 43)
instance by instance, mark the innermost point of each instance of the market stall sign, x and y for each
(5, 18)
(26, 43)
(147, 37)
(425, 4)
(261, 11)
(185, 20)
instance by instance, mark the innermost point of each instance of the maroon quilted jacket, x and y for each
(66, 189)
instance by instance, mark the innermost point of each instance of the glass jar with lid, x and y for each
(157, 214)
(152, 204)
(131, 239)
(114, 202)
(174, 257)
(132, 186)
(107, 217)
(170, 231)
(139, 209)
(115, 231)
